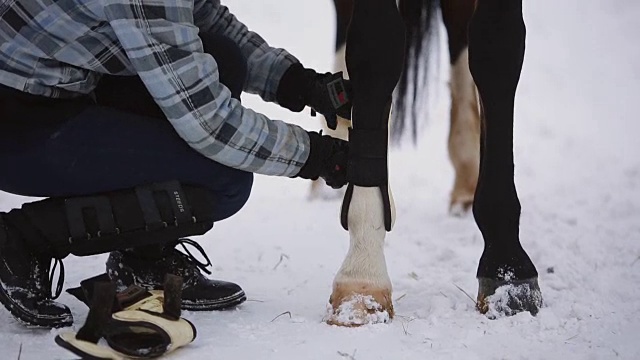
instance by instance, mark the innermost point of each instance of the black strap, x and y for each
(148, 203)
(367, 167)
(154, 214)
(172, 304)
(386, 203)
(79, 208)
(99, 312)
(368, 149)
(346, 204)
(89, 217)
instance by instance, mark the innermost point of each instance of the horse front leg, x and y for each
(507, 277)
(362, 288)
(374, 58)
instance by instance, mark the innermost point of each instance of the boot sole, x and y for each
(217, 304)
(26, 317)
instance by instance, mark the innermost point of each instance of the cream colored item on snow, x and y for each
(145, 329)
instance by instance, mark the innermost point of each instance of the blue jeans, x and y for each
(119, 139)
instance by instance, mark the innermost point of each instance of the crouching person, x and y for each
(126, 116)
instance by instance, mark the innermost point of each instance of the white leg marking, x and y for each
(365, 262)
(362, 288)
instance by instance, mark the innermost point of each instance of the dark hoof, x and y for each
(498, 298)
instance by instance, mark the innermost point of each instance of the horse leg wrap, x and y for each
(367, 167)
(367, 164)
(87, 225)
(373, 77)
(135, 323)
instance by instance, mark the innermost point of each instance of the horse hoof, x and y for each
(460, 207)
(497, 298)
(353, 306)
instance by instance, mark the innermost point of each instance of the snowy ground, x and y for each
(578, 174)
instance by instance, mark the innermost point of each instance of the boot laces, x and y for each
(47, 277)
(59, 282)
(41, 271)
(191, 259)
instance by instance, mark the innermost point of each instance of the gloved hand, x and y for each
(327, 159)
(329, 94)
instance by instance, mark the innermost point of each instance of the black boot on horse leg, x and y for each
(507, 278)
(374, 56)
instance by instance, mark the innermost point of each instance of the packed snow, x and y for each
(357, 310)
(578, 176)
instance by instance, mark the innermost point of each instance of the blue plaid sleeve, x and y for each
(266, 64)
(162, 43)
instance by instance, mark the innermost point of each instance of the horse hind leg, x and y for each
(464, 132)
(464, 135)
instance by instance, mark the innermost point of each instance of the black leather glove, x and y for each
(329, 94)
(327, 159)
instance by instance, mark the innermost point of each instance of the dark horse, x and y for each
(421, 18)
(374, 56)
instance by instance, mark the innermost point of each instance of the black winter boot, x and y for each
(25, 283)
(147, 267)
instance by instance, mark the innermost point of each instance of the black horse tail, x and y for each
(421, 22)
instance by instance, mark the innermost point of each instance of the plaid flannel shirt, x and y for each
(60, 48)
